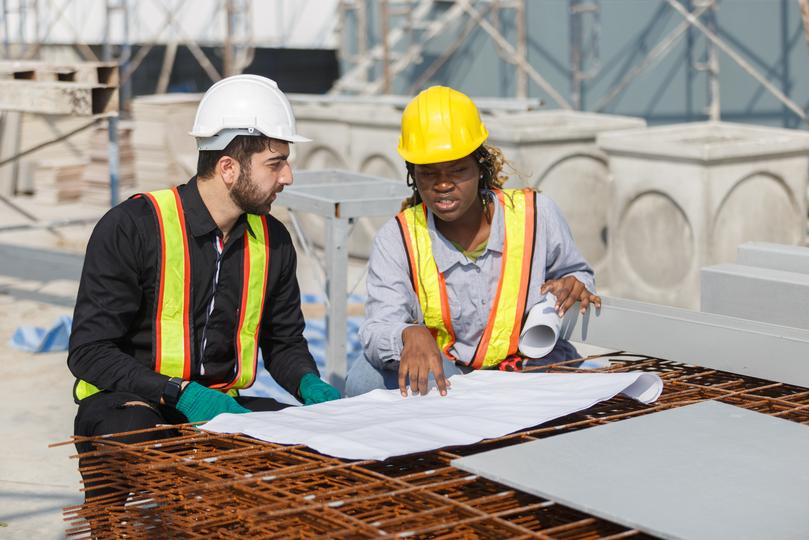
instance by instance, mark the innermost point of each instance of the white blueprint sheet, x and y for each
(480, 405)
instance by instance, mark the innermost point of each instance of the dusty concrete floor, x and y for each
(39, 274)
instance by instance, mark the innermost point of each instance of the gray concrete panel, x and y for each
(704, 471)
(758, 294)
(775, 256)
(754, 348)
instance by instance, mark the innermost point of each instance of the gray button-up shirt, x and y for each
(392, 304)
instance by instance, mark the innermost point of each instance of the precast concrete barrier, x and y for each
(685, 196)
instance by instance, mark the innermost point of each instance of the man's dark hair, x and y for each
(241, 148)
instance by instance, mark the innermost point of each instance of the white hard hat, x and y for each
(243, 105)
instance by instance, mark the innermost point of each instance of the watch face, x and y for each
(171, 392)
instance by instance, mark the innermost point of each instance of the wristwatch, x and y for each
(172, 391)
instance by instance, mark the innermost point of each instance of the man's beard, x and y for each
(247, 196)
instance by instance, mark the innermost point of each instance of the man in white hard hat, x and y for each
(182, 287)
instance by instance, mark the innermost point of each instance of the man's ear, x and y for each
(229, 169)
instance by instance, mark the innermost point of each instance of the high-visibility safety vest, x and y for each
(500, 338)
(172, 321)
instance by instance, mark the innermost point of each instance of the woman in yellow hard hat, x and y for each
(451, 278)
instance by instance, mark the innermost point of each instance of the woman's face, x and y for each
(450, 188)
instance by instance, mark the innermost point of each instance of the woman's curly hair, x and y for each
(491, 164)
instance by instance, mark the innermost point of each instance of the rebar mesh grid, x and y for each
(198, 485)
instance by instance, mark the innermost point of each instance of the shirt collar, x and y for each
(446, 255)
(199, 219)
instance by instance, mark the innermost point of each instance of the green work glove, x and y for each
(313, 390)
(199, 403)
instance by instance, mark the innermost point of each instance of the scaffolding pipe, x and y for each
(511, 52)
(744, 64)
(665, 45)
(522, 50)
(712, 66)
(386, 75)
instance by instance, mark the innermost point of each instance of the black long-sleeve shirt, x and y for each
(112, 339)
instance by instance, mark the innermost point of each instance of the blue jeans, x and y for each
(364, 377)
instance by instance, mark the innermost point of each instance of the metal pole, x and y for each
(715, 105)
(785, 71)
(522, 50)
(5, 28)
(575, 23)
(106, 52)
(362, 36)
(227, 59)
(384, 14)
(126, 55)
(112, 122)
(336, 284)
(805, 17)
(113, 151)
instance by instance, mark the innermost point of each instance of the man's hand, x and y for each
(199, 403)
(420, 357)
(569, 290)
(313, 390)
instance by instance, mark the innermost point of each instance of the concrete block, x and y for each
(686, 196)
(756, 294)
(775, 256)
(555, 152)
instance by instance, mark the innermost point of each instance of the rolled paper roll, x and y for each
(541, 328)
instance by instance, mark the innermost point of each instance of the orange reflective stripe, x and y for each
(428, 282)
(527, 261)
(446, 316)
(404, 230)
(172, 315)
(505, 319)
(255, 269)
(483, 345)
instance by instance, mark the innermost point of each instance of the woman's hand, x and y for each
(420, 357)
(569, 290)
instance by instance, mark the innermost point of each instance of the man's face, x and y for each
(262, 179)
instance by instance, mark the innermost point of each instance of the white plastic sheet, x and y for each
(480, 405)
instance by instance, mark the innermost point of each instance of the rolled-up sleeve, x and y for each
(392, 305)
(563, 257)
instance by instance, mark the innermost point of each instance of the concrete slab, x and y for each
(756, 294)
(704, 471)
(775, 256)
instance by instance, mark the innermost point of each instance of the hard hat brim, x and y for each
(219, 141)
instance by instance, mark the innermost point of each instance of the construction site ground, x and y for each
(39, 278)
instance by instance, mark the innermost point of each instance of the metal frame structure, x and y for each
(340, 197)
(373, 63)
(198, 485)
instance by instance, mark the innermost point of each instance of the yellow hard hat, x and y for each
(440, 124)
